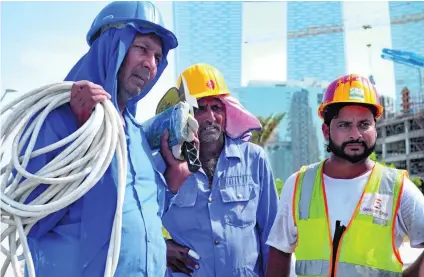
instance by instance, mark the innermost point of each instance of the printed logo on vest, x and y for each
(377, 205)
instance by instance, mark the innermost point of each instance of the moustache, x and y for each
(344, 144)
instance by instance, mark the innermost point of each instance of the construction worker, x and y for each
(224, 211)
(347, 215)
(128, 53)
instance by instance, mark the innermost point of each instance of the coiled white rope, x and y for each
(69, 175)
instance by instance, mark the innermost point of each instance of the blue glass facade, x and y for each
(210, 32)
(319, 56)
(407, 35)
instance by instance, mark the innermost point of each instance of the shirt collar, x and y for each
(232, 148)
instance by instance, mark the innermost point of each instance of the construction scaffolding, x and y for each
(401, 138)
(401, 142)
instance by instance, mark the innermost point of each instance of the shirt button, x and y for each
(239, 195)
(210, 200)
(216, 241)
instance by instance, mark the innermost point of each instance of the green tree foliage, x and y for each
(279, 185)
(269, 125)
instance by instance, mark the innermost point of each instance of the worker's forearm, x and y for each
(278, 263)
(174, 179)
(416, 269)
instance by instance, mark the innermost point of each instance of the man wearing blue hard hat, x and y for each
(128, 53)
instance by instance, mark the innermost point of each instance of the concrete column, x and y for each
(383, 146)
(407, 146)
(408, 164)
(383, 150)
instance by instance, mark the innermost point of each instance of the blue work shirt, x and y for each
(143, 249)
(228, 223)
(74, 241)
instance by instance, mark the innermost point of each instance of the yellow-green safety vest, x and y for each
(366, 247)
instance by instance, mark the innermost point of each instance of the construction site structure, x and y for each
(400, 141)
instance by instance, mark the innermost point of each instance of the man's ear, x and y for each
(325, 131)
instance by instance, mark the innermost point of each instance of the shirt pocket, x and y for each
(239, 198)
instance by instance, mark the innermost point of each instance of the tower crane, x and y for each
(409, 59)
(335, 28)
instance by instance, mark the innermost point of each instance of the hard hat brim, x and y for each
(173, 96)
(378, 107)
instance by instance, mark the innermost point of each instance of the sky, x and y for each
(49, 38)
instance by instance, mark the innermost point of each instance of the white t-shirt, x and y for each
(342, 197)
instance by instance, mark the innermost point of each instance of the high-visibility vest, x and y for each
(366, 247)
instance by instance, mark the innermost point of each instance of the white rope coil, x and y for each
(70, 175)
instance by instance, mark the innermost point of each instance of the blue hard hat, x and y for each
(142, 15)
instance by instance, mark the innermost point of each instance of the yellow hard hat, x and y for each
(199, 80)
(351, 88)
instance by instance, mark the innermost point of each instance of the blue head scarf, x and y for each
(101, 63)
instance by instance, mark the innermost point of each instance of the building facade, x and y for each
(400, 141)
(407, 25)
(304, 131)
(210, 32)
(315, 42)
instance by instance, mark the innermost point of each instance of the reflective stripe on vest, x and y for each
(357, 251)
(321, 268)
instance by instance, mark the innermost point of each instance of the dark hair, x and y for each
(332, 110)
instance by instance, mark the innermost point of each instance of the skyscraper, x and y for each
(304, 133)
(407, 35)
(210, 32)
(315, 42)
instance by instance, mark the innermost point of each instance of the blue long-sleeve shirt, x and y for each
(73, 242)
(228, 223)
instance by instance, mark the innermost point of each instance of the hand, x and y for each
(177, 258)
(84, 97)
(176, 170)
